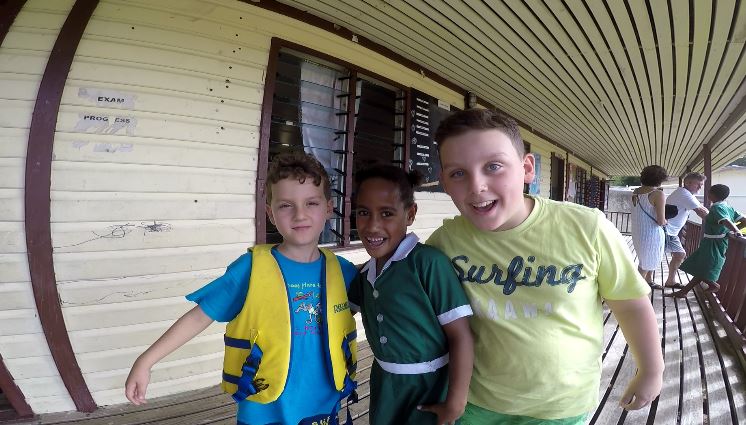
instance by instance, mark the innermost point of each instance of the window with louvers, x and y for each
(311, 105)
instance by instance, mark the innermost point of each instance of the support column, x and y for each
(38, 205)
(707, 155)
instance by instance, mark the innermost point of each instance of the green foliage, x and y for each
(740, 161)
(625, 181)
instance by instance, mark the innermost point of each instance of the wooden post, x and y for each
(707, 155)
(37, 204)
(265, 127)
(349, 158)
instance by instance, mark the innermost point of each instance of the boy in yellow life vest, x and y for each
(290, 350)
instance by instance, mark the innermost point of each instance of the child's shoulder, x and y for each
(568, 211)
(427, 253)
(343, 261)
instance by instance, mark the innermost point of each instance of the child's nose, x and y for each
(301, 213)
(477, 184)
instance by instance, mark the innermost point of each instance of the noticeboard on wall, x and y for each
(426, 113)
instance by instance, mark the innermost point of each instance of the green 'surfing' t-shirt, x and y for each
(536, 292)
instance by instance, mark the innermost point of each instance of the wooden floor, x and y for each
(703, 383)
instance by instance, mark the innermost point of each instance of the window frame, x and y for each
(260, 212)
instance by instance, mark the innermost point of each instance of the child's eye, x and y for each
(313, 203)
(362, 213)
(493, 166)
(387, 214)
(284, 206)
(457, 174)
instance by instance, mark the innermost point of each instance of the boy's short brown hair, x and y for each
(297, 166)
(479, 119)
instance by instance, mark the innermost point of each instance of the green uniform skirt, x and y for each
(707, 261)
(394, 398)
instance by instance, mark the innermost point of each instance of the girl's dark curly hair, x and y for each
(405, 181)
(653, 175)
(719, 192)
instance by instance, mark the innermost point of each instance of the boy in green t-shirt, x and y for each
(536, 272)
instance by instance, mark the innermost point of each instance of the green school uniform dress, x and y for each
(707, 261)
(404, 309)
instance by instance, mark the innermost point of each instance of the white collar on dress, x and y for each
(405, 247)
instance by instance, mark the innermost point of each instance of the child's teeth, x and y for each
(482, 204)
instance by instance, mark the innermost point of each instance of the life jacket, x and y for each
(257, 342)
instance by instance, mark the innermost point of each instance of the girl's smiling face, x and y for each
(382, 218)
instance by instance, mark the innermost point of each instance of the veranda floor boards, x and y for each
(703, 382)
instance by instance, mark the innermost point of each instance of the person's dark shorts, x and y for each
(673, 244)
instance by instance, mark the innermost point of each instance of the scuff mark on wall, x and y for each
(113, 147)
(120, 231)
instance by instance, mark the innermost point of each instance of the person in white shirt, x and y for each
(683, 198)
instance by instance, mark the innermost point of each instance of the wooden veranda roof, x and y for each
(622, 84)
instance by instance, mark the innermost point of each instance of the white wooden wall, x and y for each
(153, 179)
(153, 208)
(149, 209)
(23, 57)
(432, 209)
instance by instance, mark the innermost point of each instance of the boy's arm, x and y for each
(637, 319)
(187, 327)
(460, 365)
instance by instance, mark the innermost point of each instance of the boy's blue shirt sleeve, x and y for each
(223, 298)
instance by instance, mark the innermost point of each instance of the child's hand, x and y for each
(447, 412)
(137, 383)
(643, 389)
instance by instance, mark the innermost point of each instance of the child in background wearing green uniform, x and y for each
(414, 309)
(536, 272)
(706, 263)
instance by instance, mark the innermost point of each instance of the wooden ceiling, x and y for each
(622, 84)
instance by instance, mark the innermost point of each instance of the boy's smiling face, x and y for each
(484, 176)
(299, 210)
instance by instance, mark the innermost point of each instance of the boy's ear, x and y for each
(270, 216)
(411, 213)
(529, 170)
(329, 209)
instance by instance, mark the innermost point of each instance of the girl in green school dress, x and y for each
(413, 306)
(707, 261)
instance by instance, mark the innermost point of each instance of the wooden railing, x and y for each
(729, 304)
(620, 220)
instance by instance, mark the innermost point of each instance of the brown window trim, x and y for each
(14, 395)
(347, 34)
(263, 161)
(8, 12)
(37, 203)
